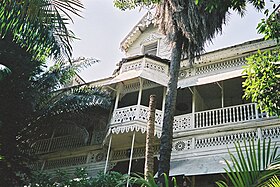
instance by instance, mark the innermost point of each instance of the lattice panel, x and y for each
(221, 65)
(156, 67)
(144, 112)
(186, 73)
(182, 145)
(98, 137)
(132, 66)
(273, 132)
(182, 123)
(225, 139)
(72, 161)
(125, 114)
(211, 67)
(97, 157)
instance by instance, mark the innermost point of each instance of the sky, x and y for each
(103, 27)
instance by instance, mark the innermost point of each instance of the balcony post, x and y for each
(139, 97)
(221, 86)
(108, 154)
(117, 97)
(193, 108)
(130, 159)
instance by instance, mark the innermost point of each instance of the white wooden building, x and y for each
(210, 112)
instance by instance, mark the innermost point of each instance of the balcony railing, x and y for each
(197, 120)
(65, 142)
(145, 64)
(134, 113)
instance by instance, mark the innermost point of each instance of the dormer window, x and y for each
(150, 48)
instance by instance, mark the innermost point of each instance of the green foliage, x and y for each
(39, 26)
(150, 181)
(262, 84)
(79, 179)
(236, 5)
(31, 106)
(270, 26)
(132, 4)
(272, 182)
(252, 165)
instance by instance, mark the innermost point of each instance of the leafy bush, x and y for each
(79, 179)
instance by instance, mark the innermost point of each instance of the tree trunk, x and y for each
(149, 156)
(167, 127)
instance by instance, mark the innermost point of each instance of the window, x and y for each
(150, 49)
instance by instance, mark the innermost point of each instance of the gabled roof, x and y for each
(137, 30)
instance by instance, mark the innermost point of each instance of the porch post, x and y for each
(140, 91)
(108, 154)
(222, 92)
(193, 106)
(117, 97)
(130, 159)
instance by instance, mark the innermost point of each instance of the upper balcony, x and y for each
(146, 66)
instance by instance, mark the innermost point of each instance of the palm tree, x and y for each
(31, 106)
(253, 165)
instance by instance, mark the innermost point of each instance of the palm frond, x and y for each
(4, 71)
(272, 182)
(252, 164)
(40, 26)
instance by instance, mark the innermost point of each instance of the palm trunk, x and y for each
(167, 128)
(149, 156)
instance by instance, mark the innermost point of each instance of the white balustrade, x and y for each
(183, 122)
(133, 113)
(58, 143)
(238, 113)
(145, 64)
(197, 120)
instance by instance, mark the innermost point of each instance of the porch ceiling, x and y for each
(206, 79)
(124, 140)
(145, 74)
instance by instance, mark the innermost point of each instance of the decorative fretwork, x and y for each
(136, 86)
(65, 162)
(203, 68)
(142, 64)
(133, 113)
(222, 65)
(97, 137)
(159, 67)
(124, 114)
(144, 112)
(183, 122)
(273, 132)
(182, 145)
(186, 73)
(131, 66)
(225, 139)
(58, 143)
(96, 156)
